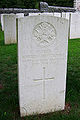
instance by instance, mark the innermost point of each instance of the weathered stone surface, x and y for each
(74, 21)
(19, 15)
(42, 60)
(67, 15)
(77, 5)
(56, 14)
(10, 28)
(9, 23)
(63, 14)
(2, 22)
(74, 26)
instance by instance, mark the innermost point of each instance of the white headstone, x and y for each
(77, 5)
(57, 14)
(2, 22)
(10, 27)
(63, 14)
(19, 15)
(42, 60)
(75, 25)
(67, 16)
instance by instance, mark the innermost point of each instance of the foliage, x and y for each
(32, 3)
(68, 3)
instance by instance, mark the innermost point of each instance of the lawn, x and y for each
(9, 106)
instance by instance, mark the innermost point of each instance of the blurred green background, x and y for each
(33, 3)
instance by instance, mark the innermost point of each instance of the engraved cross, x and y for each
(44, 79)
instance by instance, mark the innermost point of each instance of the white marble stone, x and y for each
(75, 25)
(10, 34)
(67, 16)
(34, 14)
(19, 15)
(2, 22)
(57, 14)
(63, 14)
(74, 22)
(10, 28)
(77, 5)
(42, 63)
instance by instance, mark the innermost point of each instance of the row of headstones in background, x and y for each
(17, 16)
(8, 23)
(73, 22)
(42, 60)
(77, 5)
(75, 25)
(63, 15)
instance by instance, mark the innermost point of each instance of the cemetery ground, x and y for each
(9, 105)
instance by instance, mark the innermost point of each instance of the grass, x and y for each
(9, 106)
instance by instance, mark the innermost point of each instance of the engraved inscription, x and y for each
(43, 59)
(44, 79)
(44, 33)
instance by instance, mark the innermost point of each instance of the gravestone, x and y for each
(19, 15)
(77, 5)
(42, 60)
(67, 15)
(10, 27)
(57, 14)
(74, 25)
(63, 14)
(2, 22)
